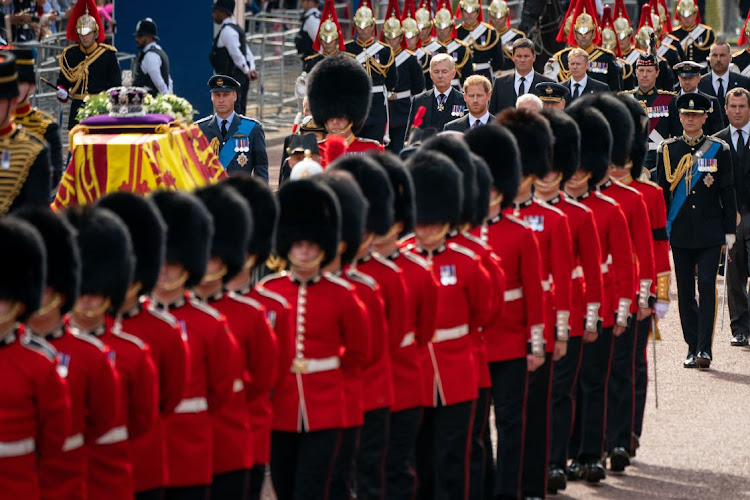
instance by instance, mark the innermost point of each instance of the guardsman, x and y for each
(551, 229)
(611, 42)
(232, 436)
(586, 289)
(158, 329)
(741, 58)
(666, 46)
(587, 444)
(448, 366)
(308, 400)
(151, 69)
(210, 379)
(653, 196)
(24, 158)
(36, 413)
(379, 62)
(553, 95)
(410, 76)
(659, 104)
(447, 42)
(621, 383)
(413, 38)
(423, 16)
(585, 34)
(329, 40)
(484, 40)
(89, 66)
(499, 17)
(265, 211)
(338, 90)
(35, 120)
(696, 175)
(421, 296)
(515, 338)
(106, 273)
(647, 42)
(695, 38)
(237, 140)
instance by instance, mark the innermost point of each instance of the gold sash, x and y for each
(23, 152)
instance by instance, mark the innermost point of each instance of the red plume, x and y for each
(698, 11)
(79, 9)
(667, 24)
(409, 10)
(645, 17)
(329, 12)
(445, 4)
(607, 22)
(335, 146)
(742, 40)
(561, 37)
(620, 10)
(480, 19)
(581, 7)
(418, 117)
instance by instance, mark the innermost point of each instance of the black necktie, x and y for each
(476, 123)
(224, 129)
(521, 87)
(577, 92)
(441, 101)
(720, 92)
(740, 145)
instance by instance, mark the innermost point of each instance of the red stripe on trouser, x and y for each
(523, 434)
(606, 392)
(467, 449)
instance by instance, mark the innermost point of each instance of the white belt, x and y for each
(114, 435)
(192, 405)
(481, 66)
(605, 266)
(514, 294)
(73, 442)
(378, 89)
(547, 285)
(408, 339)
(401, 95)
(456, 82)
(577, 273)
(238, 385)
(654, 139)
(17, 448)
(652, 146)
(456, 332)
(315, 365)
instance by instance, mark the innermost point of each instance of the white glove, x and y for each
(62, 94)
(661, 309)
(730, 240)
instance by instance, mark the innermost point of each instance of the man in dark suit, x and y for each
(720, 80)
(237, 140)
(579, 82)
(477, 92)
(510, 87)
(736, 135)
(689, 74)
(442, 103)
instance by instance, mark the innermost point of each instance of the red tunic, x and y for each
(421, 314)
(169, 352)
(586, 285)
(93, 383)
(448, 364)
(358, 146)
(507, 337)
(110, 470)
(328, 320)
(209, 387)
(35, 413)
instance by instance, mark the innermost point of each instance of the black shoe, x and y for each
(556, 480)
(635, 443)
(594, 471)
(690, 362)
(619, 459)
(739, 340)
(575, 471)
(703, 360)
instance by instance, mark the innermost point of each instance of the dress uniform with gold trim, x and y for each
(499, 16)
(485, 42)
(695, 38)
(460, 51)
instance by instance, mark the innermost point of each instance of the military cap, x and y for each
(566, 155)
(646, 60)
(687, 68)
(534, 137)
(23, 269)
(403, 189)
(8, 75)
(25, 59)
(303, 143)
(223, 83)
(551, 92)
(693, 103)
(498, 147)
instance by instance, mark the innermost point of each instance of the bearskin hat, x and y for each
(403, 189)
(620, 123)
(263, 207)
(190, 229)
(484, 182)
(497, 146)
(64, 259)
(233, 225)
(309, 211)
(439, 194)
(339, 86)
(456, 149)
(107, 260)
(566, 155)
(534, 138)
(374, 182)
(596, 141)
(148, 232)
(24, 266)
(640, 139)
(353, 210)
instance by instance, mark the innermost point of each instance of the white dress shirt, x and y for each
(724, 81)
(230, 39)
(527, 81)
(733, 134)
(151, 65)
(446, 93)
(582, 84)
(312, 23)
(482, 119)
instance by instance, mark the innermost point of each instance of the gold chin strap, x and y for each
(548, 185)
(250, 262)
(526, 183)
(175, 284)
(366, 243)
(12, 313)
(134, 290)
(208, 278)
(579, 183)
(437, 237)
(390, 234)
(307, 265)
(496, 200)
(342, 132)
(94, 313)
(49, 306)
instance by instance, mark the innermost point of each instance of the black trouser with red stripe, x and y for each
(536, 439)
(480, 469)
(302, 463)
(509, 381)
(344, 479)
(400, 471)
(443, 449)
(641, 373)
(563, 405)
(621, 390)
(373, 446)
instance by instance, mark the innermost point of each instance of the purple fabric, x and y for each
(111, 121)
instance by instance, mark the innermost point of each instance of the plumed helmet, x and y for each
(437, 187)
(403, 189)
(353, 210)
(339, 86)
(498, 147)
(534, 138)
(566, 154)
(596, 141)
(24, 267)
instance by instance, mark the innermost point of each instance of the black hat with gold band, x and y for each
(693, 103)
(551, 92)
(25, 59)
(8, 75)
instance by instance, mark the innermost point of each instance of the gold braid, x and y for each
(381, 69)
(684, 168)
(79, 75)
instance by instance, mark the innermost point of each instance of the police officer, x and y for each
(695, 172)
(310, 20)
(237, 140)
(151, 69)
(484, 40)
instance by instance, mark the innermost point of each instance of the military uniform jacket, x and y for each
(410, 83)
(666, 79)
(486, 47)
(434, 117)
(741, 62)
(700, 213)
(695, 42)
(460, 52)
(309, 62)
(41, 124)
(674, 43)
(378, 60)
(424, 60)
(24, 170)
(507, 37)
(664, 120)
(602, 66)
(244, 147)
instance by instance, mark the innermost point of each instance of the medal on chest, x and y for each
(535, 222)
(271, 317)
(458, 110)
(242, 146)
(708, 180)
(5, 160)
(448, 275)
(63, 364)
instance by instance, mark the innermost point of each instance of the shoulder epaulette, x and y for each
(272, 277)
(518, 221)
(386, 262)
(38, 344)
(407, 236)
(547, 206)
(648, 182)
(88, 338)
(625, 186)
(723, 143)
(415, 258)
(604, 197)
(204, 119)
(272, 295)
(162, 315)
(574, 203)
(631, 92)
(361, 277)
(666, 92)
(309, 58)
(364, 139)
(738, 53)
(243, 117)
(606, 51)
(337, 281)
(117, 332)
(203, 307)
(475, 240)
(108, 47)
(706, 26)
(245, 300)
(559, 53)
(462, 250)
